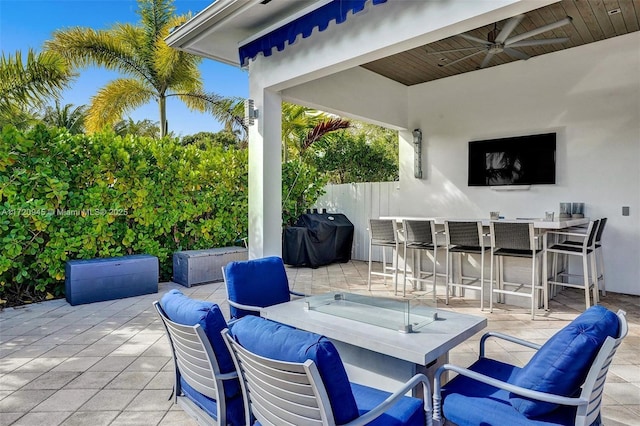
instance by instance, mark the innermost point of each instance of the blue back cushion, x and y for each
(258, 282)
(561, 365)
(186, 311)
(281, 342)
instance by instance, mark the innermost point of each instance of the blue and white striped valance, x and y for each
(287, 34)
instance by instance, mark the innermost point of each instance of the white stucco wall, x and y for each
(589, 95)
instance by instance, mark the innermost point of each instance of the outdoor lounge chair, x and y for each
(255, 284)
(291, 376)
(561, 385)
(206, 382)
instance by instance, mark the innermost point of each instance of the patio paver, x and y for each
(109, 363)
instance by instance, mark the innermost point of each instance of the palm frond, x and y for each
(110, 49)
(229, 111)
(113, 100)
(43, 75)
(321, 129)
(155, 15)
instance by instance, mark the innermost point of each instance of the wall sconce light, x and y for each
(250, 113)
(417, 154)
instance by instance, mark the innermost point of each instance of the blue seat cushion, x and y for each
(281, 342)
(407, 411)
(257, 282)
(561, 365)
(235, 405)
(186, 311)
(467, 402)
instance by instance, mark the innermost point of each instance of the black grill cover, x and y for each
(318, 239)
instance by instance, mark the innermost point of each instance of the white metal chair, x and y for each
(585, 250)
(494, 393)
(464, 238)
(419, 236)
(311, 387)
(200, 388)
(515, 239)
(254, 284)
(383, 233)
(597, 247)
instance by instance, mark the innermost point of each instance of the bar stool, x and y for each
(419, 235)
(598, 254)
(464, 237)
(515, 239)
(382, 233)
(585, 250)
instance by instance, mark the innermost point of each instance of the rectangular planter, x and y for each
(202, 266)
(96, 280)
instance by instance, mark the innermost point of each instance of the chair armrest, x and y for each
(507, 338)
(245, 307)
(571, 234)
(228, 376)
(393, 398)
(528, 393)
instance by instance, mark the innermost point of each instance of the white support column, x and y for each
(265, 174)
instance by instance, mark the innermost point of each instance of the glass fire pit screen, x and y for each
(406, 315)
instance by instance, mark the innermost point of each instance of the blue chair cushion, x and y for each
(406, 412)
(561, 365)
(281, 342)
(467, 402)
(186, 311)
(235, 405)
(257, 282)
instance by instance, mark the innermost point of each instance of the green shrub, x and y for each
(66, 196)
(302, 185)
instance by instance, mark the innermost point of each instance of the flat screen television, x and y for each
(521, 160)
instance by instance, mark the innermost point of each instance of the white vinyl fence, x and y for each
(360, 202)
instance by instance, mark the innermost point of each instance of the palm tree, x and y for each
(152, 70)
(66, 116)
(146, 127)
(302, 126)
(25, 85)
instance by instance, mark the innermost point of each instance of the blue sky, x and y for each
(27, 24)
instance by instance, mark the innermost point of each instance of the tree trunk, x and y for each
(162, 103)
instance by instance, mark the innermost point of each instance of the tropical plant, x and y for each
(223, 138)
(147, 128)
(302, 126)
(347, 157)
(302, 185)
(67, 116)
(25, 85)
(152, 70)
(66, 196)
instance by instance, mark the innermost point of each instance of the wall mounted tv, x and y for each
(522, 160)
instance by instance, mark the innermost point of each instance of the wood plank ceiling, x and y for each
(593, 20)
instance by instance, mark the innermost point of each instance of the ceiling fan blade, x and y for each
(543, 42)
(455, 50)
(461, 59)
(486, 60)
(539, 30)
(516, 53)
(508, 28)
(474, 39)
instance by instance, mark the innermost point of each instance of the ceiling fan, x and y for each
(498, 41)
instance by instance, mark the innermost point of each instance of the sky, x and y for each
(27, 24)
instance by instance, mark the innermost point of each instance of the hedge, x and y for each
(66, 196)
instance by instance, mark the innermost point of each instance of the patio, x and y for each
(109, 363)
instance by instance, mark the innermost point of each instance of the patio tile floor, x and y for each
(109, 363)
